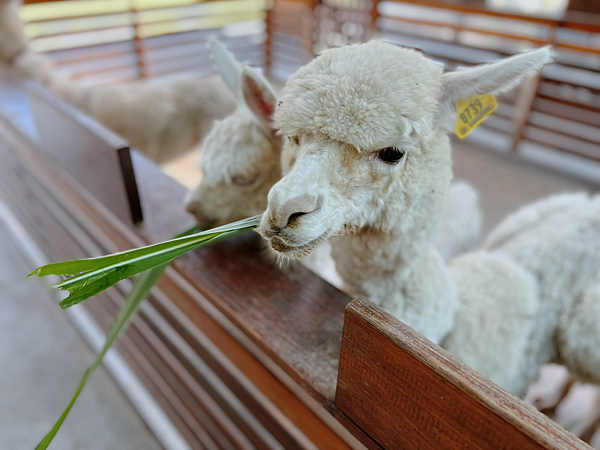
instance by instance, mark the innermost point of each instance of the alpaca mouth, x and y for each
(296, 251)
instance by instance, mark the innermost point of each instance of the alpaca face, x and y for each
(358, 139)
(349, 114)
(240, 163)
(331, 187)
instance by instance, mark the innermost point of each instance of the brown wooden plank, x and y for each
(95, 156)
(143, 369)
(567, 112)
(477, 7)
(557, 83)
(103, 70)
(560, 141)
(285, 432)
(90, 53)
(549, 92)
(167, 368)
(410, 394)
(457, 27)
(214, 401)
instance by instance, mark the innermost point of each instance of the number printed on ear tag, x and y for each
(471, 112)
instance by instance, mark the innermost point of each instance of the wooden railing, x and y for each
(290, 29)
(119, 40)
(111, 41)
(299, 30)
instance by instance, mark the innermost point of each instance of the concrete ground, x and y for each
(505, 183)
(42, 359)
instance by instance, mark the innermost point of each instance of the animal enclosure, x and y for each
(236, 352)
(241, 355)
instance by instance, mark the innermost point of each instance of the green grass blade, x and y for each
(82, 266)
(93, 275)
(140, 291)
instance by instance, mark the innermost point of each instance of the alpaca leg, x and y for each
(592, 423)
(578, 337)
(547, 403)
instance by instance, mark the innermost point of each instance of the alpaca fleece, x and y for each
(523, 301)
(241, 163)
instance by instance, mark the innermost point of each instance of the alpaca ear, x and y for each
(259, 96)
(227, 67)
(493, 78)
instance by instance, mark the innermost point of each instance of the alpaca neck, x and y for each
(393, 264)
(408, 280)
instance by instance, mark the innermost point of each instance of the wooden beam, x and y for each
(408, 393)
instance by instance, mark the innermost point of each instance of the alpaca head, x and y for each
(367, 147)
(241, 154)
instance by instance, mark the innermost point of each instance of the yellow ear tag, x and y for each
(471, 112)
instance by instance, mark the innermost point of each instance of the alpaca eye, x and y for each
(241, 180)
(391, 155)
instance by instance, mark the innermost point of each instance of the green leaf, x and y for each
(91, 276)
(140, 291)
(97, 274)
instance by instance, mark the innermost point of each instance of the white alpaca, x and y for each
(163, 121)
(372, 166)
(241, 162)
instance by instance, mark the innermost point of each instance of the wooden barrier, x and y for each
(408, 393)
(116, 42)
(241, 354)
(250, 363)
(104, 169)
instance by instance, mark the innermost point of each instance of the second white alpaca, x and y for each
(372, 165)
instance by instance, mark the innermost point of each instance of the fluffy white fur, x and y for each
(241, 163)
(505, 311)
(12, 37)
(163, 121)
(530, 217)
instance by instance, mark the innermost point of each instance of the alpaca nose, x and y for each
(195, 208)
(294, 208)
